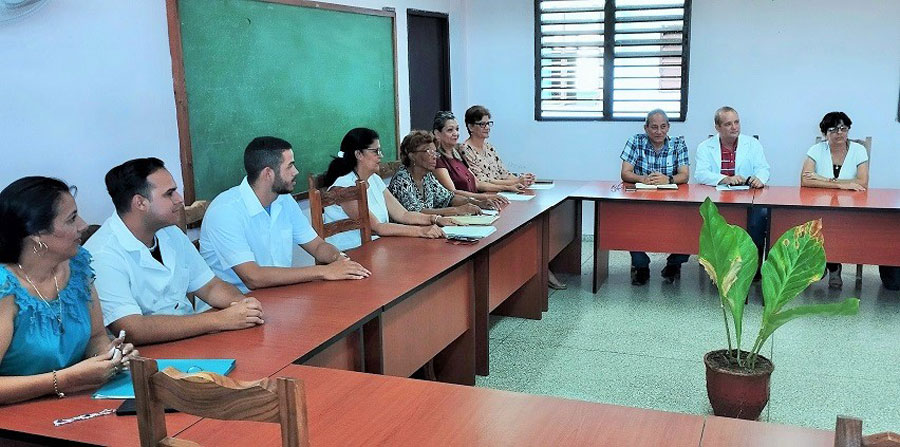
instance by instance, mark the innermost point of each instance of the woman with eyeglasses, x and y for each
(481, 156)
(836, 163)
(52, 339)
(451, 169)
(415, 186)
(359, 158)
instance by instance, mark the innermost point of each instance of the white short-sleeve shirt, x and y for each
(821, 154)
(237, 229)
(377, 206)
(130, 281)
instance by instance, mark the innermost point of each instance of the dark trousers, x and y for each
(640, 259)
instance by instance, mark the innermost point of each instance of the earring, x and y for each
(39, 248)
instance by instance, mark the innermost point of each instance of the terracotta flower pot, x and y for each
(735, 391)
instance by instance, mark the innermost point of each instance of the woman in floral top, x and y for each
(480, 155)
(415, 186)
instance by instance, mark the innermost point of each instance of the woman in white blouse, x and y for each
(836, 163)
(359, 158)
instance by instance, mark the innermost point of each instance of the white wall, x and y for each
(85, 86)
(782, 64)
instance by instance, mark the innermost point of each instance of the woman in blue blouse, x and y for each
(52, 339)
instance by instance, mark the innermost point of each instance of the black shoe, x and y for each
(640, 276)
(670, 273)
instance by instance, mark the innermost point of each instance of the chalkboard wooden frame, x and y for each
(180, 90)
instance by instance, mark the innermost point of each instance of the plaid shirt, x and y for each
(729, 157)
(640, 153)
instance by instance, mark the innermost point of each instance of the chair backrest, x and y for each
(387, 169)
(210, 395)
(865, 142)
(320, 197)
(192, 215)
(754, 136)
(848, 433)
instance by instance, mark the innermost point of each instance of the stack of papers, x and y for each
(471, 232)
(120, 386)
(732, 188)
(646, 186)
(475, 220)
(490, 212)
(513, 197)
(536, 186)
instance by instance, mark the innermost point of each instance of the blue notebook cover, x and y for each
(120, 386)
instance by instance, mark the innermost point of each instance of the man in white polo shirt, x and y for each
(145, 265)
(249, 231)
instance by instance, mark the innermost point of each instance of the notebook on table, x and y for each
(120, 386)
(475, 220)
(469, 232)
(664, 186)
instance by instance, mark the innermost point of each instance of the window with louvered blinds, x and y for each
(610, 59)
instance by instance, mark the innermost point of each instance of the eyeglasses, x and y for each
(485, 124)
(429, 151)
(376, 150)
(837, 129)
(445, 115)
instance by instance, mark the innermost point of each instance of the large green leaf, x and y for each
(849, 306)
(730, 258)
(796, 260)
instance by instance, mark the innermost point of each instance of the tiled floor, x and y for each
(643, 347)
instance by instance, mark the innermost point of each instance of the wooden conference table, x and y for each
(859, 227)
(436, 308)
(666, 221)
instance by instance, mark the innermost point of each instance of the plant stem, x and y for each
(727, 331)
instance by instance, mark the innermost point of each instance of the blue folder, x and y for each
(120, 386)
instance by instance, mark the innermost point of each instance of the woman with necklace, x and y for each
(416, 187)
(451, 169)
(836, 163)
(52, 339)
(481, 156)
(359, 158)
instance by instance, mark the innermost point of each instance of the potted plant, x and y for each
(737, 381)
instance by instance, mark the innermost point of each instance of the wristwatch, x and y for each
(671, 179)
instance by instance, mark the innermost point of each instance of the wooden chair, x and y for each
(281, 401)
(320, 197)
(88, 232)
(387, 169)
(848, 433)
(866, 143)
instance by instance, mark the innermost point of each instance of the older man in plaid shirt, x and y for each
(655, 159)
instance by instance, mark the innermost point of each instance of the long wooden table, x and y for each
(857, 226)
(665, 221)
(353, 409)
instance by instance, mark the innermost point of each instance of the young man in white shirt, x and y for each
(145, 266)
(249, 231)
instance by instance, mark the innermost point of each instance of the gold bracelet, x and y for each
(59, 393)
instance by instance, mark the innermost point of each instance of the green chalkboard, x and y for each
(304, 74)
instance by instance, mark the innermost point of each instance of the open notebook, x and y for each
(120, 386)
(514, 197)
(646, 186)
(470, 232)
(475, 220)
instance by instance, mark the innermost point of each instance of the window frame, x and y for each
(609, 13)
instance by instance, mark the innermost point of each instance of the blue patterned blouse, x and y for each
(38, 345)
